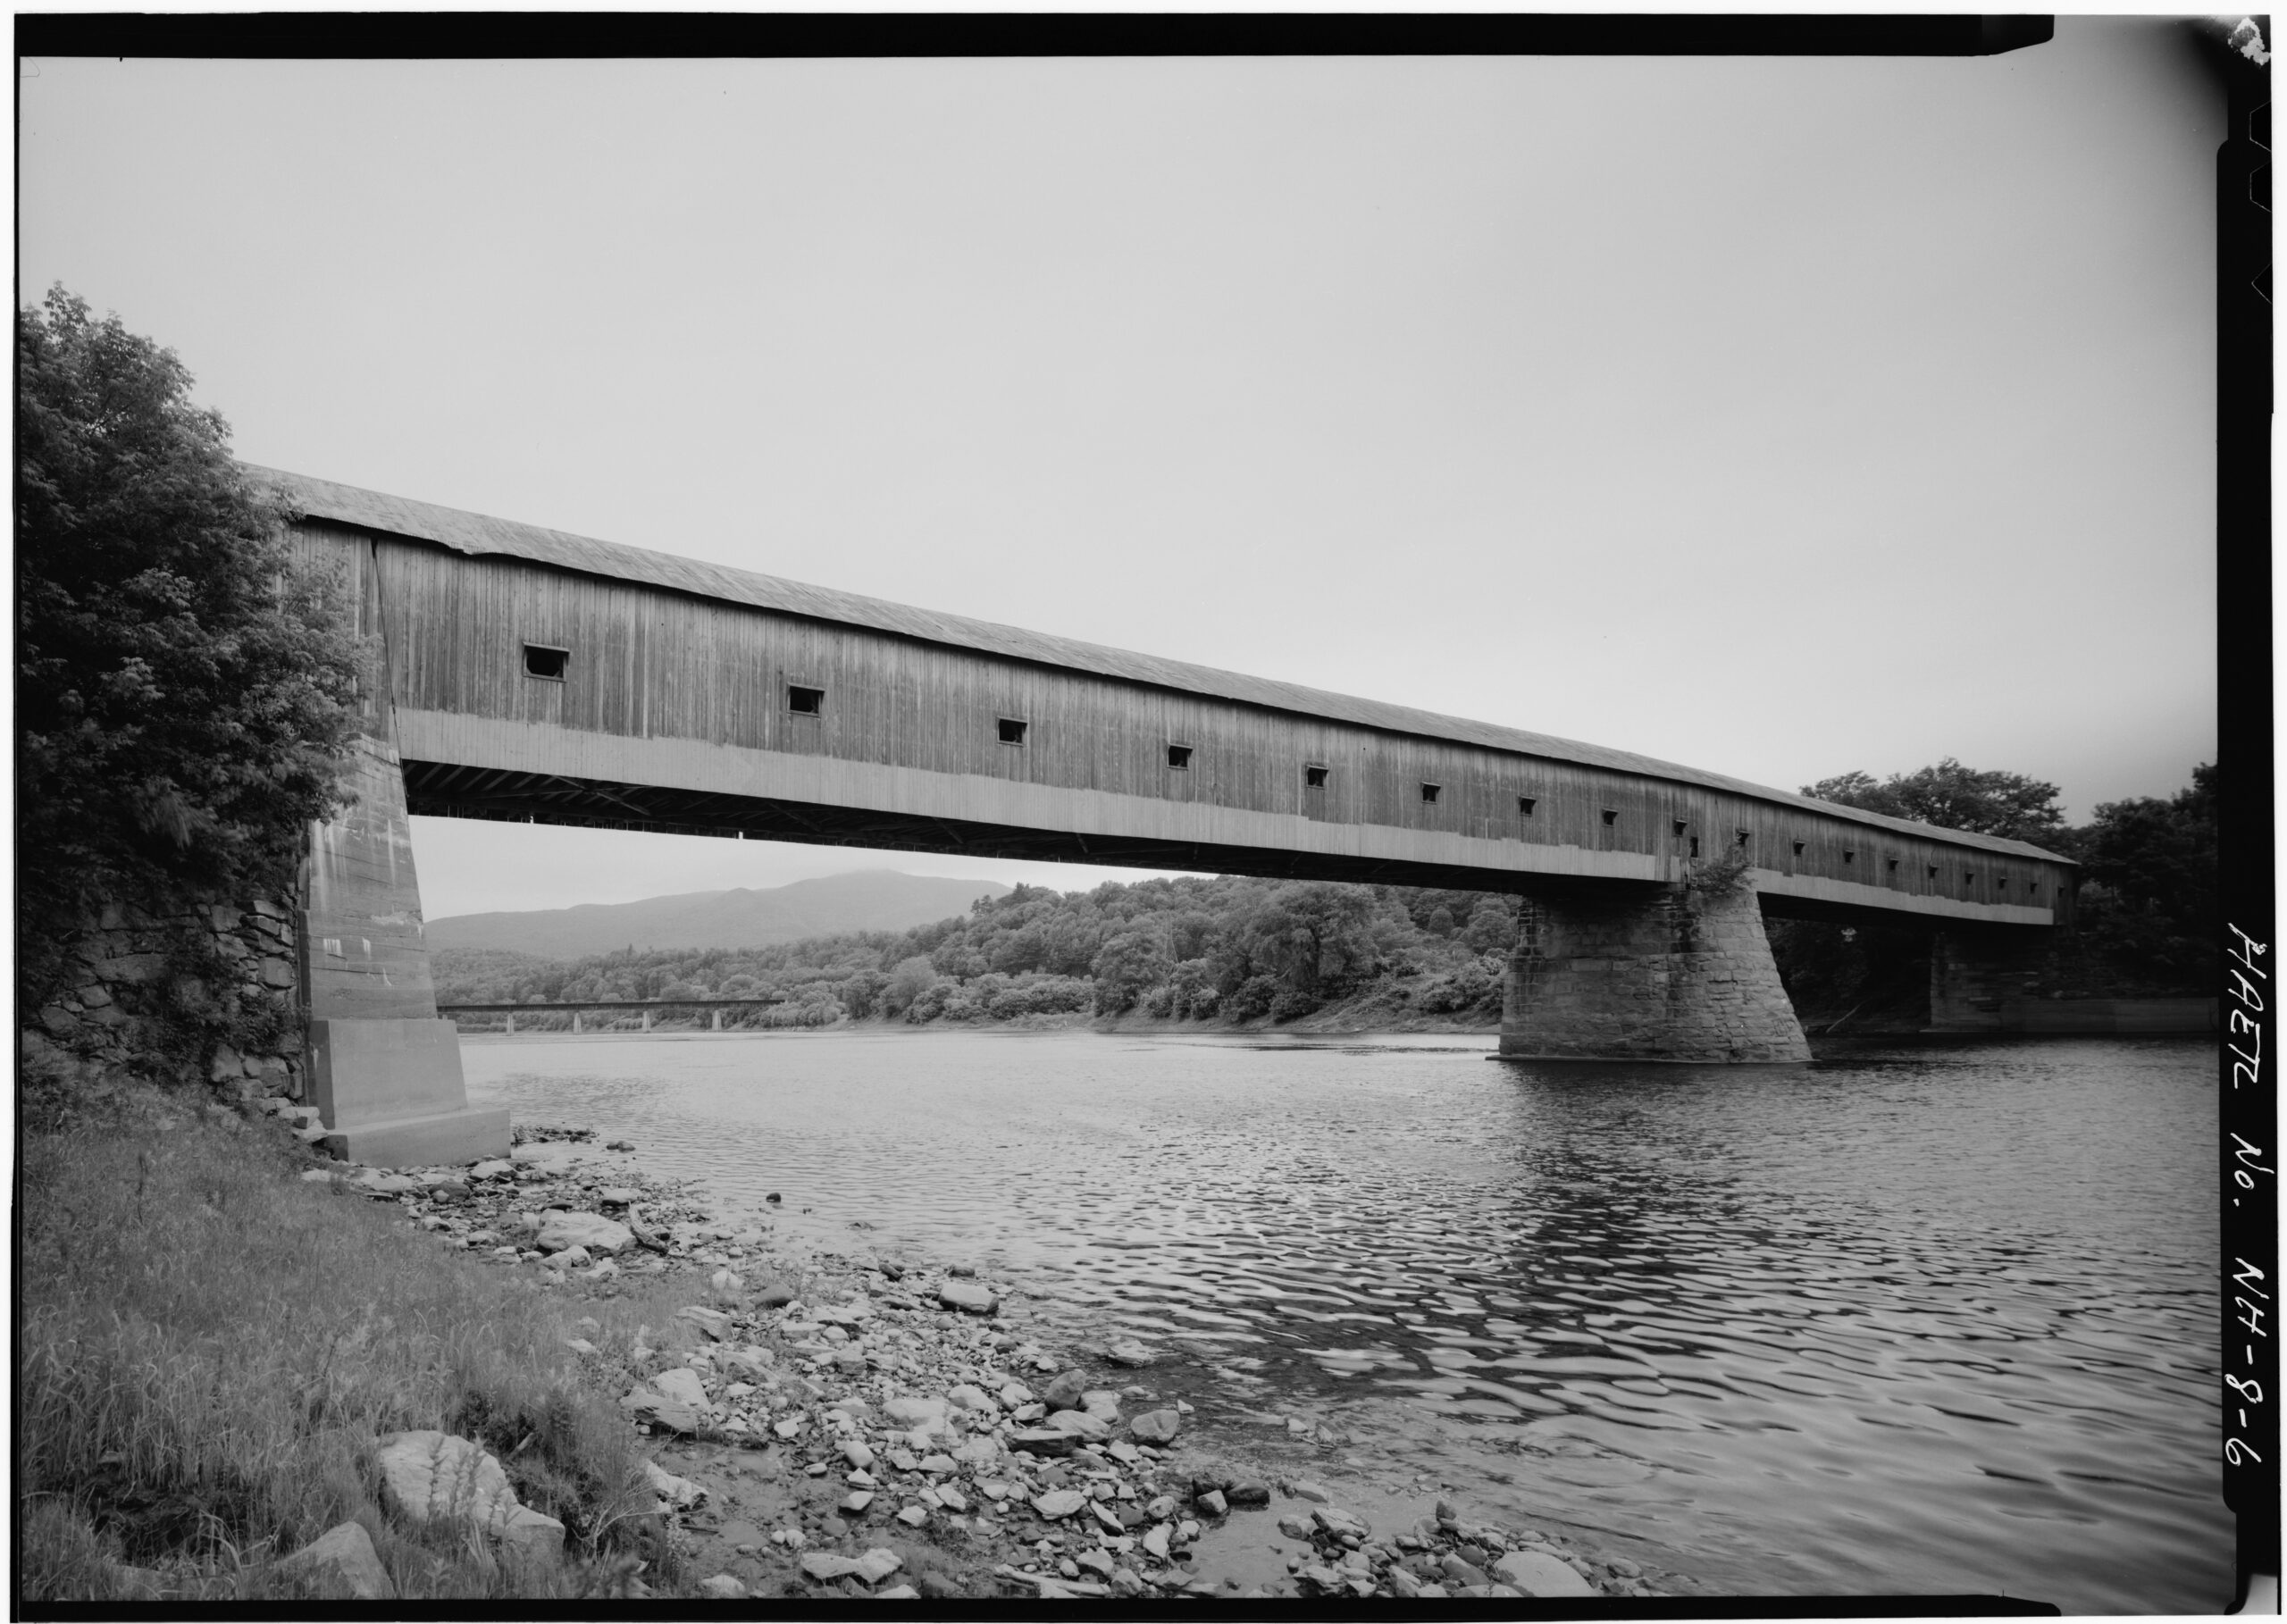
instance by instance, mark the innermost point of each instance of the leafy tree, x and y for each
(1492, 925)
(1132, 958)
(2152, 903)
(1314, 937)
(1951, 796)
(1252, 999)
(1015, 951)
(862, 993)
(182, 695)
(912, 977)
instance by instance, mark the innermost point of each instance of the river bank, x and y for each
(821, 1412)
(704, 1407)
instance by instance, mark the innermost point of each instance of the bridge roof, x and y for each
(480, 535)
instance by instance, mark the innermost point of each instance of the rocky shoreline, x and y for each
(823, 1424)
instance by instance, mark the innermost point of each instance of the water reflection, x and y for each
(1906, 1321)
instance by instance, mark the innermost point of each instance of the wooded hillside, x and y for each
(1181, 948)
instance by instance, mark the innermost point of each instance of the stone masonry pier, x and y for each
(1675, 972)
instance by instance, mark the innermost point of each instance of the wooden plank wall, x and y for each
(658, 665)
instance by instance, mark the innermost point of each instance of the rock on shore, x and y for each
(838, 1402)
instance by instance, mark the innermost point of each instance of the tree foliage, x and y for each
(1951, 796)
(182, 698)
(1174, 948)
(2150, 898)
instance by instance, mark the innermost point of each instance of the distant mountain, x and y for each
(871, 899)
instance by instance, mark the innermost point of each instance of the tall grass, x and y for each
(209, 1347)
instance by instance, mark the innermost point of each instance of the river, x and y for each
(1918, 1319)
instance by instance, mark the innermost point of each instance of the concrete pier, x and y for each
(1670, 973)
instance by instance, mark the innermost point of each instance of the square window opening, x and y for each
(1746, 835)
(1314, 778)
(805, 701)
(1850, 857)
(1680, 825)
(1934, 871)
(1525, 805)
(1609, 815)
(1893, 866)
(546, 663)
(1179, 757)
(1429, 793)
(1798, 848)
(1012, 730)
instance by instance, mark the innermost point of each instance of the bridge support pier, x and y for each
(1682, 974)
(385, 1069)
(1973, 973)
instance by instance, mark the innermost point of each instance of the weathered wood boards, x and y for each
(556, 679)
(525, 674)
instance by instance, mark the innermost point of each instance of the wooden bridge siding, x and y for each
(649, 662)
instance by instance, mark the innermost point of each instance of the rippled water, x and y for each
(1913, 1320)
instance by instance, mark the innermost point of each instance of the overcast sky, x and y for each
(1779, 417)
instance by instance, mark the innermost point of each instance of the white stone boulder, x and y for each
(560, 1231)
(1154, 1425)
(968, 1297)
(535, 1534)
(714, 1322)
(753, 1360)
(1539, 1574)
(1079, 1424)
(432, 1477)
(673, 1490)
(339, 1565)
(909, 1411)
